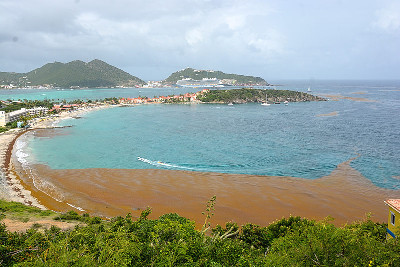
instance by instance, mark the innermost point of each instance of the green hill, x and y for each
(232, 79)
(7, 78)
(95, 73)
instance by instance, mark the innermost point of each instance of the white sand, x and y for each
(10, 186)
(5, 140)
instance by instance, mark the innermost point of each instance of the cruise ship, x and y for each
(205, 82)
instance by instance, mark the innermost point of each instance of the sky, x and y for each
(272, 39)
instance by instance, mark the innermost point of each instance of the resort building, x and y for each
(188, 97)
(394, 217)
(65, 107)
(16, 115)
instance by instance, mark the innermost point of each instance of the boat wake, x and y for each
(163, 164)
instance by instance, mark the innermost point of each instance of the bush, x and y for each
(172, 240)
(69, 216)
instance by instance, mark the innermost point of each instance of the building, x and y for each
(393, 217)
(18, 114)
(205, 82)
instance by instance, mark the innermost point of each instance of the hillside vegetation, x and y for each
(172, 240)
(200, 74)
(77, 73)
(246, 95)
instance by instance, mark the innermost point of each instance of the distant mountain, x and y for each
(232, 79)
(95, 73)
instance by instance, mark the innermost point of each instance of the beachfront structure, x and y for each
(65, 107)
(23, 112)
(188, 97)
(394, 217)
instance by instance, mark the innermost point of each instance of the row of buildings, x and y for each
(23, 112)
(188, 97)
(42, 111)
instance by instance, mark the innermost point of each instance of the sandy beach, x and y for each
(11, 187)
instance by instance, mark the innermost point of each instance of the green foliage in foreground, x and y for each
(172, 240)
(19, 211)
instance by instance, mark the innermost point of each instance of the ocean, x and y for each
(306, 140)
(339, 157)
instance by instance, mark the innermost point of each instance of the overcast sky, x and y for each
(273, 39)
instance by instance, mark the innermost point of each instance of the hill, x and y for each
(95, 73)
(232, 79)
(246, 95)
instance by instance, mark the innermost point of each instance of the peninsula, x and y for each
(224, 78)
(237, 96)
(248, 95)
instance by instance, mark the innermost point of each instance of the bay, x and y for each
(306, 140)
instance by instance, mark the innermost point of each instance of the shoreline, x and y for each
(344, 194)
(12, 187)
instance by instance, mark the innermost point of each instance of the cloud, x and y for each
(388, 17)
(186, 31)
(231, 35)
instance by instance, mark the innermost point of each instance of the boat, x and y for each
(286, 103)
(204, 83)
(266, 102)
(230, 104)
(309, 89)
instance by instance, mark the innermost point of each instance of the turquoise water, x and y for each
(249, 139)
(87, 94)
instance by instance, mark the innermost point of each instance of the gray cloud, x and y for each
(150, 39)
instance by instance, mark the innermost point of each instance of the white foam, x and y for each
(19, 144)
(19, 153)
(75, 207)
(21, 157)
(163, 164)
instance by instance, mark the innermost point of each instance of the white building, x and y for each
(16, 115)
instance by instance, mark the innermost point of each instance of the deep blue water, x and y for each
(250, 139)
